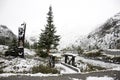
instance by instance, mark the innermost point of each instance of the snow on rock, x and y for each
(99, 78)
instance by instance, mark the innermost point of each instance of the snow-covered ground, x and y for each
(37, 74)
(13, 66)
(64, 69)
(99, 78)
(99, 63)
(19, 65)
(95, 78)
(3, 48)
(29, 52)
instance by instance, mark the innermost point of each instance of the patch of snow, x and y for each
(64, 69)
(29, 52)
(40, 74)
(98, 63)
(74, 79)
(113, 50)
(70, 54)
(99, 78)
(117, 68)
(56, 54)
(7, 74)
(3, 47)
(37, 74)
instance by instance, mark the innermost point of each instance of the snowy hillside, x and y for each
(6, 34)
(107, 36)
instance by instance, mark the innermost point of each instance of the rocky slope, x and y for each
(6, 35)
(107, 36)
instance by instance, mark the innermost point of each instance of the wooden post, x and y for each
(53, 61)
(73, 60)
(66, 58)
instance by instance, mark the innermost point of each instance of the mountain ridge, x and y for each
(6, 35)
(104, 37)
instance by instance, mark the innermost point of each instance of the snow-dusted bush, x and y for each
(85, 67)
(93, 53)
(93, 68)
(44, 69)
(19, 65)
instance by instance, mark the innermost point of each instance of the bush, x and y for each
(44, 69)
(42, 54)
(1, 71)
(80, 50)
(94, 68)
(93, 53)
(116, 59)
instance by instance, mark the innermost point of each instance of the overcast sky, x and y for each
(72, 18)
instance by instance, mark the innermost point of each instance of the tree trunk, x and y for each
(48, 51)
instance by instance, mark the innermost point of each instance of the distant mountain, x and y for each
(6, 35)
(32, 39)
(107, 36)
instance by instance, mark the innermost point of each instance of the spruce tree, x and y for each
(13, 44)
(48, 39)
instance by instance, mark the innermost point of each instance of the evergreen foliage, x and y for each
(27, 44)
(34, 45)
(48, 39)
(13, 44)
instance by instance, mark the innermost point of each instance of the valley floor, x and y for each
(14, 67)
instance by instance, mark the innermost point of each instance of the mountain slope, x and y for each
(104, 37)
(6, 35)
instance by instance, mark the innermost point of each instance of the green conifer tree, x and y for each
(13, 44)
(48, 39)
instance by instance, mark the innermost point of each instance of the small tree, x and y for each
(80, 50)
(48, 39)
(27, 44)
(13, 44)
